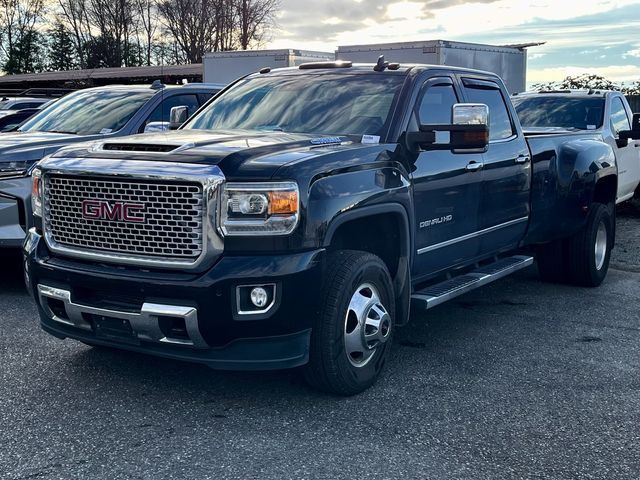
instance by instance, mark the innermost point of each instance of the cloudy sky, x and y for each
(598, 36)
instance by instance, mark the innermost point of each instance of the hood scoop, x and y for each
(139, 147)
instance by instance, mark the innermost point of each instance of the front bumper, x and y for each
(15, 211)
(137, 310)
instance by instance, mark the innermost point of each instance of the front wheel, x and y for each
(352, 330)
(589, 250)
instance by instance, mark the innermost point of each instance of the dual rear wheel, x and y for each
(582, 259)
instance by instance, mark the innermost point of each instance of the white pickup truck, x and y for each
(602, 111)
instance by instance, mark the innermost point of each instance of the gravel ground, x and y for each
(626, 255)
(520, 379)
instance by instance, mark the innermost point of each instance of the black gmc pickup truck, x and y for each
(300, 215)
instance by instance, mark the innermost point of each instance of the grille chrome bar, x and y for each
(180, 202)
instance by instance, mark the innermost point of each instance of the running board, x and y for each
(445, 291)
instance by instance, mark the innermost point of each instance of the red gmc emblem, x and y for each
(117, 211)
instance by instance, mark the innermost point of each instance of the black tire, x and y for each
(585, 267)
(551, 262)
(331, 368)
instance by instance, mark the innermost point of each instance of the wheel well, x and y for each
(606, 190)
(380, 234)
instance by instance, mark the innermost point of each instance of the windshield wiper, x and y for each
(60, 131)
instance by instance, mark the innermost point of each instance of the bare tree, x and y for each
(193, 24)
(148, 18)
(75, 15)
(21, 44)
(199, 26)
(114, 20)
(255, 18)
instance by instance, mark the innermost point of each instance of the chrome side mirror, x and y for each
(469, 130)
(154, 127)
(470, 114)
(178, 116)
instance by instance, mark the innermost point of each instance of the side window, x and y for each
(23, 105)
(205, 97)
(500, 126)
(619, 118)
(162, 111)
(436, 104)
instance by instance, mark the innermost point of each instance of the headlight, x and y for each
(36, 192)
(259, 208)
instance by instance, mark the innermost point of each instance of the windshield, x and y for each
(333, 104)
(89, 112)
(560, 111)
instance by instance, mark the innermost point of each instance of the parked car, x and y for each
(94, 113)
(9, 106)
(296, 218)
(604, 112)
(11, 122)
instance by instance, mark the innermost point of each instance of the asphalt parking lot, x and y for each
(520, 379)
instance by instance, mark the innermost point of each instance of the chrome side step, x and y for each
(445, 291)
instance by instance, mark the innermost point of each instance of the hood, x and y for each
(13, 140)
(246, 154)
(18, 150)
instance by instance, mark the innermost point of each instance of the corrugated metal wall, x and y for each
(634, 102)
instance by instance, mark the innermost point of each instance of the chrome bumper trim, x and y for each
(144, 324)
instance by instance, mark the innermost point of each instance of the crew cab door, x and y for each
(504, 202)
(446, 188)
(627, 153)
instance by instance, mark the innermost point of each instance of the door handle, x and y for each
(523, 159)
(475, 166)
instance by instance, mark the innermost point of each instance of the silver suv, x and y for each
(85, 115)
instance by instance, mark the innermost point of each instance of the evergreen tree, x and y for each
(62, 52)
(26, 55)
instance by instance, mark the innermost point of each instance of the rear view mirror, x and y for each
(469, 130)
(634, 133)
(177, 116)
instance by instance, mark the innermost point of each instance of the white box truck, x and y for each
(225, 67)
(509, 62)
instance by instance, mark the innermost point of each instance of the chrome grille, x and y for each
(173, 216)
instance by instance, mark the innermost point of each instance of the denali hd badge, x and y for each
(436, 221)
(117, 211)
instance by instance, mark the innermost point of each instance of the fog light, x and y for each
(259, 297)
(254, 300)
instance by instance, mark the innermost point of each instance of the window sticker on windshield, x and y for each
(104, 131)
(370, 139)
(591, 127)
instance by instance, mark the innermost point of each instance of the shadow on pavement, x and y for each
(629, 209)
(11, 279)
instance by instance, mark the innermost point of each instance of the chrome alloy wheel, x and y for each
(367, 325)
(601, 245)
